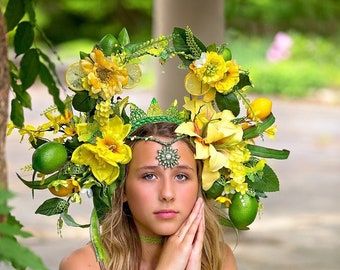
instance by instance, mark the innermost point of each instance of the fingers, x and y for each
(195, 258)
(183, 249)
(189, 228)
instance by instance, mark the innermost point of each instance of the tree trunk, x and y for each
(206, 20)
(4, 90)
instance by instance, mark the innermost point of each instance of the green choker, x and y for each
(167, 156)
(153, 240)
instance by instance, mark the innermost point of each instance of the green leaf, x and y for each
(30, 10)
(101, 200)
(5, 194)
(259, 128)
(12, 230)
(71, 222)
(17, 113)
(228, 102)
(23, 38)
(15, 11)
(181, 46)
(225, 222)
(268, 183)
(47, 79)
(53, 206)
(101, 255)
(41, 184)
(20, 256)
(51, 66)
(244, 80)
(29, 68)
(123, 37)
(265, 152)
(24, 98)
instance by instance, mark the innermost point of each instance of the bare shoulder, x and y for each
(229, 258)
(82, 258)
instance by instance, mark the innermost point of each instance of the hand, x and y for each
(183, 249)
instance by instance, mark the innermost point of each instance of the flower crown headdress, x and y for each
(88, 150)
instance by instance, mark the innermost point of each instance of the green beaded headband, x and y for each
(154, 114)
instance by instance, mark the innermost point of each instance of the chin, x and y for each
(166, 230)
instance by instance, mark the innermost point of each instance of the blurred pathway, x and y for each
(299, 228)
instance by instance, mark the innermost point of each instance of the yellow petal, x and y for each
(217, 159)
(208, 177)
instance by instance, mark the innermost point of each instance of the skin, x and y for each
(151, 190)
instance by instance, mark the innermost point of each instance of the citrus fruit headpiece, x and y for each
(88, 139)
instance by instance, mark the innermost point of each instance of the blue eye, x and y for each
(181, 177)
(149, 176)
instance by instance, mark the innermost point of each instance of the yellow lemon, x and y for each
(62, 191)
(134, 74)
(194, 86)
(73, 77)
(260, 108)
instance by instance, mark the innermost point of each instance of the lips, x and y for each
(166, 214)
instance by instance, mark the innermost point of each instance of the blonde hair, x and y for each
(118, 231)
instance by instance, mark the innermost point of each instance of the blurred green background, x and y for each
(251, 26)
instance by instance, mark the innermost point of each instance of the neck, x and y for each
(151, 251)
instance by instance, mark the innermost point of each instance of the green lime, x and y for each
(226, 54)
(108, 44)
(243, 210)
(215, 190)
(49, 157)
(82, 102)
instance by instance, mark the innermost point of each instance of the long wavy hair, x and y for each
(119, 233)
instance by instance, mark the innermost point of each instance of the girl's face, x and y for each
(160, 199)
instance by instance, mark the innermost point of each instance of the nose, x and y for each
(167, 190)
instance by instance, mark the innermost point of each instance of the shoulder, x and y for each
(229, 258)
(82, 258)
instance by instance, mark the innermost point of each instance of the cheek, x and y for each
(136, 195)
(188, 195)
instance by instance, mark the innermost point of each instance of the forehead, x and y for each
(146, 152)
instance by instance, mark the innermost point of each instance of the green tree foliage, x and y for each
(270, 16)
(31, 62)
(11, 251)
(91, 19)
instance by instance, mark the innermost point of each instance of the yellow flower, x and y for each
(70, 130)
(271, 132)
(223, 200)
(56, 121)
(109, 150)
(32, 133)
(210, 68)
(105, 76)
(219, 74)
(230, 78)
(10, 127)
(240, 187)
(215, 136)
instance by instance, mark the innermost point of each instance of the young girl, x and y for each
(150, 173)
(160, 218)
